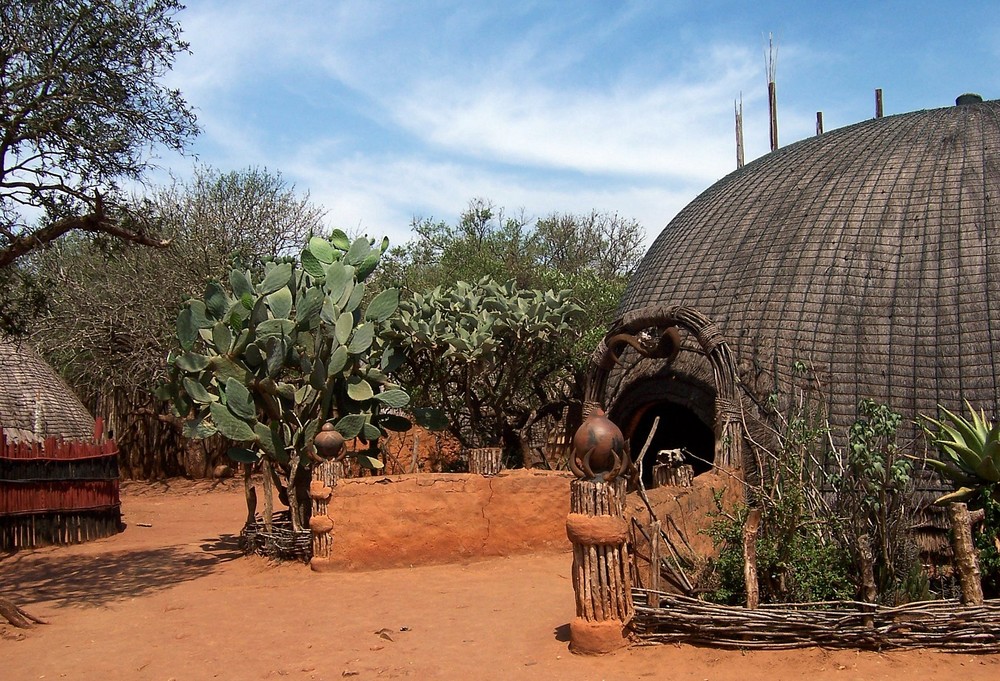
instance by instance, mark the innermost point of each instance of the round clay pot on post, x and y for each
(597, 529)
(326, 469)
(486, 460)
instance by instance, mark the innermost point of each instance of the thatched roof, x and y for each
(870, 255)
(35, 402)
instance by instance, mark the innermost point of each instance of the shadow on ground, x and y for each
(90, 580)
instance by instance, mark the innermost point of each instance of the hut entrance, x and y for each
(679, 428)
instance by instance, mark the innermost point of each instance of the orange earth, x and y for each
(480, 590)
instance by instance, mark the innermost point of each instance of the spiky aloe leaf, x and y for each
(229, 425)
(953, 473)
(961, 494)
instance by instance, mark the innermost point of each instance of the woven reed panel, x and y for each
(870, 253)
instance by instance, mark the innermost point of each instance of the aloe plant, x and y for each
(970, 450)
(266, 361)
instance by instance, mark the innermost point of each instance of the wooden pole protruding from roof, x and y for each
(738, 106)
(771, 61)
(878, 103)
(819, 123)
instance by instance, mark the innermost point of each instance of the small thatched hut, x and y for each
(58, 475)
(861, 263)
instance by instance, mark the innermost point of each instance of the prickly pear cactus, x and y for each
(266, 361)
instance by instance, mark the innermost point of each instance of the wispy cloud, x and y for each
(384, 111)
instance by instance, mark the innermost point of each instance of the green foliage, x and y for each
(812, 522)
(795, 562)
(268, 361)
(591, 255)
(83, 102)
(970, 450)
(486, 353)
(873, 493)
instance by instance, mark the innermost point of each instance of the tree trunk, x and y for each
(966, 560)
(17, 616)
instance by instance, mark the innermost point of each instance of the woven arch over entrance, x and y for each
(654, 321)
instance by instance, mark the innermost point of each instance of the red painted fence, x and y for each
(58, 492)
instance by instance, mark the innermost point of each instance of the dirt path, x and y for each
(177, 601)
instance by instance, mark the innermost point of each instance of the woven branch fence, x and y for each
(944, 624)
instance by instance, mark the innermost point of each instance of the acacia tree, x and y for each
(82, 106)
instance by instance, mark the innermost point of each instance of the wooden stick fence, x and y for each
(944, 624)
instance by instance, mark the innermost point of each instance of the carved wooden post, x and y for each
(597, 529)
(326, 469)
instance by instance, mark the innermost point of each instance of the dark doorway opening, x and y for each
(679, 428)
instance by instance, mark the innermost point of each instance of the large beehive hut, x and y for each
(58, 474)
(864, 262)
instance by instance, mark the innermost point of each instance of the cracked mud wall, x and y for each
(399, 521)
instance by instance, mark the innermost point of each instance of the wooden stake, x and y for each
(750, 530)
(739, 132)
(966, 560)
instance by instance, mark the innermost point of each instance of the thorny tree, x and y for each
(82, 106)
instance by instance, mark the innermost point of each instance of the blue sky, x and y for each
(384, 111)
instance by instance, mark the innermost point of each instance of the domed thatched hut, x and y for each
(862, 263)
(58, 475)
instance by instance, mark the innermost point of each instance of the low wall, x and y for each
(398, 521)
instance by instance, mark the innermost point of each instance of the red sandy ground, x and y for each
(178, 601)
